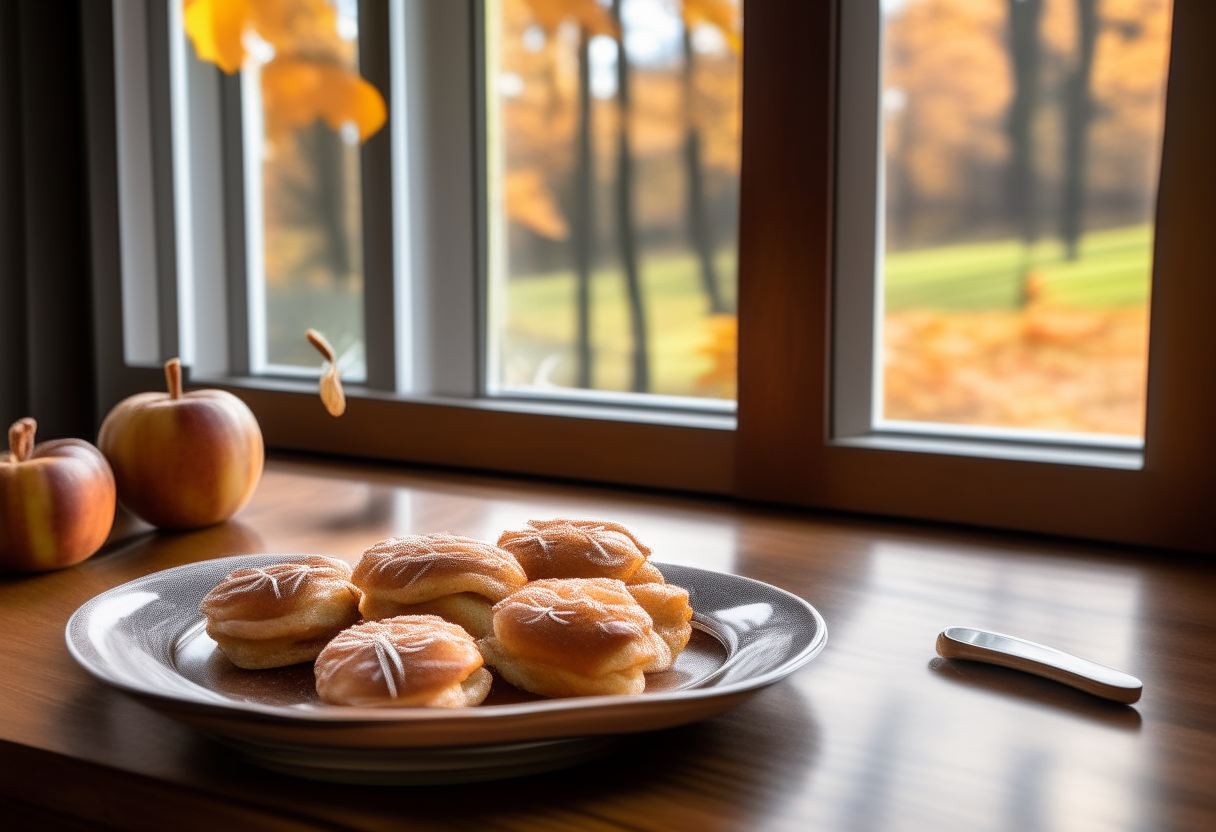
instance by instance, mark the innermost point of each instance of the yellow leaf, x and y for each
(298, 91)
(295, 27)
(723, 15)
(216, 28)
(306, 80)
(722, 348)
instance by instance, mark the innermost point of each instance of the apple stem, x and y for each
(173, 377)
(21, 439)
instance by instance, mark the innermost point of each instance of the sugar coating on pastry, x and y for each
(281, 614)
(411, 661)
(574, 637)
(457, 578)
(580, 549)
(670, 611)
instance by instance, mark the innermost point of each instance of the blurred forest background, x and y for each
(619, 135)
(1022, 142)
(1022, 145)
(314, 107)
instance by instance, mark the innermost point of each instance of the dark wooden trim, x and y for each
(14, 374)
(480, 437)
(784, 454)
(785, 233)
(58, 312)
(164, 184)
(376, 188)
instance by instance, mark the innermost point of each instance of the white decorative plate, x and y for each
(147, 638)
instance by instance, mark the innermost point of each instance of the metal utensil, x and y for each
(1019, 654)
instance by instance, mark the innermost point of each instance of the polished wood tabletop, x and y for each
(876, 733)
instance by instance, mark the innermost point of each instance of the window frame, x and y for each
(786, 452)
(779, 449)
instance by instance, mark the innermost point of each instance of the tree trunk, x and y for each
(584, 217)
(626, 227)
(1078, 110)
(700, 229)
(1024, 16)
(327, 157)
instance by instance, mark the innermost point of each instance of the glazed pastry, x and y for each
(670, 611)
(412, 661)
(281, 614)
(580, 549)
(457, 578)
(574, 637)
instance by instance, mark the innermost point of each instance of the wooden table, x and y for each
(876, 733)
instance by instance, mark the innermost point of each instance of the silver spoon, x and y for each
(1019, 654)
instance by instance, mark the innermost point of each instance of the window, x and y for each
(612, 144)
(1011, 151)
(786, 449)
(422, 401)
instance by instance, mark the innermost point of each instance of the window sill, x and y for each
(669, 449)
(1055, 453)
(532, 404)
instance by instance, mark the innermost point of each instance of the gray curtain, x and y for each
(46, 342)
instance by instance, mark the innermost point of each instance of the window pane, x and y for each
(1022, 142)
(613, 195)
(306, 246)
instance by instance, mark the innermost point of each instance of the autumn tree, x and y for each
(1078, 107)
(310, 91)
(626, 224)
(722, 15)
(947, 90)
(1024, 53)
(592, 20)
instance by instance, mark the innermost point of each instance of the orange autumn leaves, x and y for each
(529, 197)
(309, 76)
(588, 14)
(1046, 367)
(723, 15)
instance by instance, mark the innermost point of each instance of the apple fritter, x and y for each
(456, 578)
(580, 549)
(411, 661)
(282, 614)
(574, 637)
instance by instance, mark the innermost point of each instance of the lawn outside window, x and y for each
(425, 255)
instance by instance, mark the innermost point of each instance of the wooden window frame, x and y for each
(785, 452)
(780, 449)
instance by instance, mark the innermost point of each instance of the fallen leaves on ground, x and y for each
(1044, 367)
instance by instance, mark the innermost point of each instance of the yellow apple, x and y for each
(183, 460)
(56, 501)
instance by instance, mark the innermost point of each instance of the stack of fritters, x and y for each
(560, 608)
(282, 614)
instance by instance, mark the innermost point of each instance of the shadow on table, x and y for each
(1036, 690)
(735, 769)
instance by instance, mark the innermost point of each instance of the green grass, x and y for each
(1112, 269)
(541, 325)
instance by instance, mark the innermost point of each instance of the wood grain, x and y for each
(876, 733)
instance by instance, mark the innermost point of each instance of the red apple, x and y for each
(183, 460)
(56, 501)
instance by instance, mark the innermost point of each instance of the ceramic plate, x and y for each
(147, 638)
